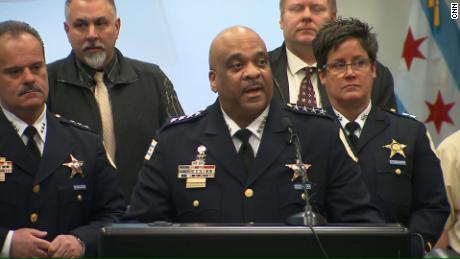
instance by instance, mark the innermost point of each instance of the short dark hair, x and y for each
(68, 2)
(333, 34)
(16, 28)
(332, 3)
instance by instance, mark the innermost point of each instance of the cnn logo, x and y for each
(454, 11)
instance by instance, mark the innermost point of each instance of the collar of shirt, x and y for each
(86, 72)
(361, 119)
(295, 75)
(256, 127)
(20, 126)
(295, 64)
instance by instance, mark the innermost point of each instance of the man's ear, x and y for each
(118, 26)
(66, 27)
(212, 80)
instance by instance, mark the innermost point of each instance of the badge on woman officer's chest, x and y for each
(396, 148)
(196, 173)
(6, 167)
(397, 157)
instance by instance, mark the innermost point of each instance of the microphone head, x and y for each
(287, 121)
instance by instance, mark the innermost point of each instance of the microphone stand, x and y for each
(308, 217)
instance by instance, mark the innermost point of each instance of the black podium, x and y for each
(200, 240)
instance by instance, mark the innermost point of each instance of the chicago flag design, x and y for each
(428, 85)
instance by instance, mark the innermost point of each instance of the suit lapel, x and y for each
(273, 142)
(323, 94)
(58, 146)
(279, 70)
(12, 146)
(217, 140)
(375, 123)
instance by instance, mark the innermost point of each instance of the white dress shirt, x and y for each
(295, 75)
(256, 127)
(361, 120)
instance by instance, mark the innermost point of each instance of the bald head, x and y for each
(228, 38)
(240, 73)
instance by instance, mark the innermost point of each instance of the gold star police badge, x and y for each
(75, 165)
(396, 148)
(297, 168)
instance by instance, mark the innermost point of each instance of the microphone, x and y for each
(288, 123)
(308, 217)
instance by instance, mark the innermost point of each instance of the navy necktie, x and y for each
(352, 127)
(32, 148)
(245, 153)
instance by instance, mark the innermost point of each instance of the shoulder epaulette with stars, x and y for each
(184, 119)
(73, 123)
(402, 114)
(307, 110)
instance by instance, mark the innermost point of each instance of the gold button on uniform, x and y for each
(196, 203)
(303, 196)
(249, 193)
(36, 189)
(79, 197)
(33, 217)
(398, 171)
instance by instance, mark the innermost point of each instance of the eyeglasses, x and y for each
(361, 64)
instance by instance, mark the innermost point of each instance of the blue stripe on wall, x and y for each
(447, 36)
(400, 106)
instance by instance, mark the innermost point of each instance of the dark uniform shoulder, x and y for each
(72, 123)
(400, 114)
(184, 119)
(305, 110)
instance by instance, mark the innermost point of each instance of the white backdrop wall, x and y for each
(176, 34)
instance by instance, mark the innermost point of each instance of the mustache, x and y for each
(252, 86)
(93, 44)
(28, 89)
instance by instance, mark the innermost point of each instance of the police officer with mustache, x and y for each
(57, 188)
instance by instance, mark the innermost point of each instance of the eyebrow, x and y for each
(85, 20)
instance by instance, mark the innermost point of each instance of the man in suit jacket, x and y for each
(394, 151)
(57, 188)
(141, 97)
(300, 21)
(199, 171)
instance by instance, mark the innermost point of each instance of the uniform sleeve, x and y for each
(348, 199)
(151, 200)
(108, 203)
(430, 208)
(5, 243)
